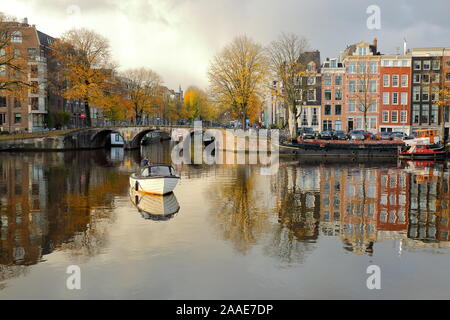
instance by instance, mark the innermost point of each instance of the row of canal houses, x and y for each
(397, 92)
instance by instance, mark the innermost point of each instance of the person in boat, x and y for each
(145, 162)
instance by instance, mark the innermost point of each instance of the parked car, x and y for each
(399, 135)
(327, 135)
(306, 133)
(384, 136)
(340, 135)
(368, 135)
(356, 135)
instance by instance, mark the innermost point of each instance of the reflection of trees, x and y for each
(52, 201)
(298, 218)
(237, 213)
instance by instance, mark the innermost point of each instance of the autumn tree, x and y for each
(238, 73)
(85, 60)
(197, 104)
(143, 89)
(287, 65)
(444, 104)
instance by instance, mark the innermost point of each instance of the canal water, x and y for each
(310, 231)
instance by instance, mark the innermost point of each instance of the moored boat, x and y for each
(423, 152)
(155, 179)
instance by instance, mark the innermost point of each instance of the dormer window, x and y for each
(16, 37)
(362, 51)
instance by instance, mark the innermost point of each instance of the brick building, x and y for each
(362, 78)
(395, 92)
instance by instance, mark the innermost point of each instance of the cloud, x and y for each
(178, 38)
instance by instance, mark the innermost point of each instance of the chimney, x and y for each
(25, 21)
(404, 46)
(375, 44)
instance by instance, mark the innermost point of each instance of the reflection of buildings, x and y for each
(44, 206)
(365, 205)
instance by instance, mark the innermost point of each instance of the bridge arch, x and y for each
(99, 139)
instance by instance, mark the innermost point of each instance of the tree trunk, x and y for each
(87, 111)
(293, 122)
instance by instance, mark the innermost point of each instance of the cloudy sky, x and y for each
(177, 38)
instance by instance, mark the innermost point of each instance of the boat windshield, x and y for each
(160, 171)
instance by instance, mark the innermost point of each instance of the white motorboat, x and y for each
(156, 179)
(155, 207)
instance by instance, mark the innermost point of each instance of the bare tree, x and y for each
(237, 74)
(287, 65)
(365, 94)
(142, 87)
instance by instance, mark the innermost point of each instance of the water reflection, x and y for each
(155, 207)
(70, 202)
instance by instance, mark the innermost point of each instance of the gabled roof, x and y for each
(44, 39)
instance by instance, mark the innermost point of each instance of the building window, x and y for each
(338, 125)
(425, 94)
(327, 125)
(16, 37)
(427, 65)
(359, 123)
(416, 93)
(362, 51)
(2, 102)
(404, 81)
(327, 80)
(17, 103)
(417, 78)
(372, 107)
(437, 64)
(362, 86)
(338, 110)
(338, 81)
(352, 106)
(385, 98)
(425, 113)
(404, 99)
(372, 123)
(2, 118)
(311, 67)
(352, 86)
(386, 80)
(304, 119)
(311, 81)
(327, 110)
(385, 116)
(362, 67)
(416, 113)
(417, 65)
(394, 97)
(352, 67)
(395, 80)
(314, 122)
(34, 102)
(312, 95)
(447, 76)
(17, 118)
(373, 67)
(434, 114)
(403, 116)
(327, 95)
(434, 93)
(434, 78)
(425, 78)
(394, 116)
(338, 94)
(373, 86)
